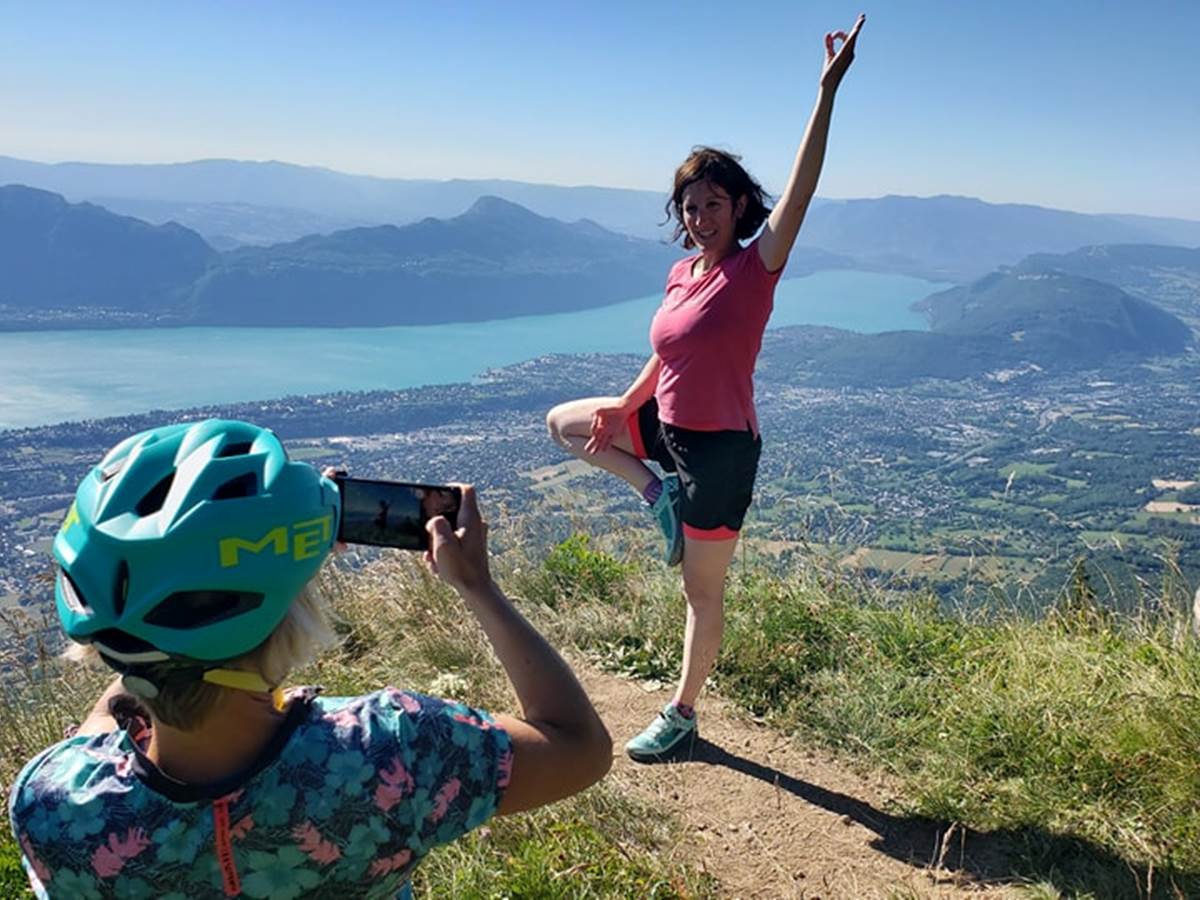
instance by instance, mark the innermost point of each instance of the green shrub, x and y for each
(575, 570)
(12, 876)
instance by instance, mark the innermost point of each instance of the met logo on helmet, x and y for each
(71, 519)
(304, 539)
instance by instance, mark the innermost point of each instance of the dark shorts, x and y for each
(716, 470)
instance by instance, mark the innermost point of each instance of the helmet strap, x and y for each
(137, 680)
(241, 680)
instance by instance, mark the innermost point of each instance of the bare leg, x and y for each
(705, 564)
(570, 426)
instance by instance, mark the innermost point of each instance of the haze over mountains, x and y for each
(252, 201)
(1039, 287)
(230, 202)
(74, 264)
(960, 238)
(56, 254)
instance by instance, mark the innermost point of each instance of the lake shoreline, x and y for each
(55, 376)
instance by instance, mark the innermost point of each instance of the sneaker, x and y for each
(666, 509)
(664, 734)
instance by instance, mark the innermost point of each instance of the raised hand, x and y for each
(838, 61)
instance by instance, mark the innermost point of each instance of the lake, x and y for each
(55, 376)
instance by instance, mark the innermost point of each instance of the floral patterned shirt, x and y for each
(349, 796)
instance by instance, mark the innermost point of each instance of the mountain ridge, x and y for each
(943, 237)
(79, 265)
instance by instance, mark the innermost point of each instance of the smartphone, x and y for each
(393, 513)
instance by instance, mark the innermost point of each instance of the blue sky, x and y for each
(1091, 106)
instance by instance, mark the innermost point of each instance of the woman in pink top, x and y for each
(692, 407)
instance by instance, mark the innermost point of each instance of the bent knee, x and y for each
(555, 424)
(703, 599)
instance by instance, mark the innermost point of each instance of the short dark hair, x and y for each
(724, 170)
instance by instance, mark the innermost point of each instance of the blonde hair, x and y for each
(305, 631)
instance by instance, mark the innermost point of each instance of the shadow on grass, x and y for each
(1074, 866)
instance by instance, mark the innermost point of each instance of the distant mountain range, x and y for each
(252, 201)
(59, 254)
(233, 202)
(76, 265)
(79, 265)
(496, 260)
(960, 238)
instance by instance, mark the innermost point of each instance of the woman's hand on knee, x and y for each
(607, 423)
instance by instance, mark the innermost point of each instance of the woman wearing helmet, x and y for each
(185, 563)
(691, 409)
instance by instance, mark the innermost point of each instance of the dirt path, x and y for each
(772, 820)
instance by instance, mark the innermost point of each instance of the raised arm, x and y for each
(560, 746)
(777, 238)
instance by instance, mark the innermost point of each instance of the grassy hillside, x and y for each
(1072, 737)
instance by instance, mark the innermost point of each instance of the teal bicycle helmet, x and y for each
(190, 542)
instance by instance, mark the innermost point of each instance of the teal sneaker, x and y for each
(666, 509)
(667, 732)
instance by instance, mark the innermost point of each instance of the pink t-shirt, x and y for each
(707, 333)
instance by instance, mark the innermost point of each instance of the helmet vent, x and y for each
(241, 448)
(73, 595)
(155, 497)
(121, 589)
(107, 474)
(195, 609)
(245, 485)
(121, 642)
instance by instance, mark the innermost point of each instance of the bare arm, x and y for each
(643, 386)
(560, 745)
(775, 243)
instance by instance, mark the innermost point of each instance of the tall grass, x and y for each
(400, 626)
(1075, 735)
(1076, 732)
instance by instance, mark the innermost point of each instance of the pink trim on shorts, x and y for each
(635, 436)
(720, 533)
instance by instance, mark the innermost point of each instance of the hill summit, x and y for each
(1058, 318)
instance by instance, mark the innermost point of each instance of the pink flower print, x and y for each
(39, 868)
(346, 717)
(480, 723)
(387, 796)
(386, 864)
(445, 796)
(317, 848)
(242, 828)
(109, 859)
(396, 775)
(106, 863)
(505, 767)
(397, 784)
(405, 701)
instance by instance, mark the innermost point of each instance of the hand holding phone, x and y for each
(459, 556)
(393, 513)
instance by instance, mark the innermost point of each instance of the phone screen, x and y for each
(393, 513)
